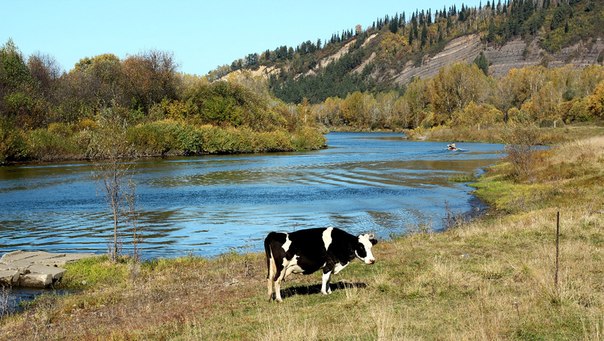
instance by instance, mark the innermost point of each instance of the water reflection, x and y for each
(212, 204)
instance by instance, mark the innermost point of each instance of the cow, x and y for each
(306, 251)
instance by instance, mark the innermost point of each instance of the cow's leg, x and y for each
(280, 273)
(325, 289)
(278, 286)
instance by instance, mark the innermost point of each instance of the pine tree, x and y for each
(393, 26)
(411, 37)
(482, 63)
(424, 39)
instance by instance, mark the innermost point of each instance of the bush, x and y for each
(12, 144)
(47, 145)
(163, 138)
(273, 141)
(520, 147)
(307, 138)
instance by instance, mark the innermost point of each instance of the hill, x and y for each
(399, 48)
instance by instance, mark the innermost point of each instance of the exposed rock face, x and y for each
(464, 48)
(35, 269)
(518, 54)
(515, 54)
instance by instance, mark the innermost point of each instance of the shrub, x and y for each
(12, 144)
(47, 145)
(273, 141)
(520, 147)
(307, 138)
(60, 129)
(164, 137)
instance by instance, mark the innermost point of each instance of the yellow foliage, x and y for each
(61, 129)
(87, 124)
(393, 46)
(477, 114)
(595, 102)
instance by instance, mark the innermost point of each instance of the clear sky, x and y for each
(201, 34)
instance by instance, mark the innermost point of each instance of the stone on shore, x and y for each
(37, 269)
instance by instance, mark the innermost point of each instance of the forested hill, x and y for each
(393, 50)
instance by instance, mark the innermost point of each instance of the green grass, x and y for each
(464, 177)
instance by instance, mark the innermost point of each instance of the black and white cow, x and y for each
(306, 251)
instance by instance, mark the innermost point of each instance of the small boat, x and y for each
(452, 147)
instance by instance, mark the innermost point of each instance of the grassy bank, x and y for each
(492, 278)
(500, 133)
(91, 141)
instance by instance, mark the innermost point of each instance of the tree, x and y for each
(45, 72)
(454, 87)
(111, 145)
(424, 37)
(150, 77)
(13, 71)
(595, 102)
(16, 100)
(482, 63)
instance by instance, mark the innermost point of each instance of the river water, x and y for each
(209, 205)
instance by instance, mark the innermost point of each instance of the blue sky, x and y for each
(201, 34)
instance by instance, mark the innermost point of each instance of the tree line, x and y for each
(47, 114)
(462, 95)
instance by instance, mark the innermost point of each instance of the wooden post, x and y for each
(557, 250)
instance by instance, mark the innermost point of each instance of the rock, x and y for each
(37, 269)
(56, 272)
(35, 280)
(9, 277)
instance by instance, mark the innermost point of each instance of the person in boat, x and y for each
(452, 146)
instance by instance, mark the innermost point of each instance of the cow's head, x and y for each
(363, 248)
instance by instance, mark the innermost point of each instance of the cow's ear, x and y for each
(371, 238)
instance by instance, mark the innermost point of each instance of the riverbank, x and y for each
(90, 142)
(501, 133)
(492, 278)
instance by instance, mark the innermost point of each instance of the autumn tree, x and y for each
(454, 87)
(417, 99)
(595, 102)
(45, 72)
(149, 77)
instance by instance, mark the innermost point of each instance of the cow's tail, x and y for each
(267, 250)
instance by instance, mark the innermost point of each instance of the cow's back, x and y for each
(308, 243)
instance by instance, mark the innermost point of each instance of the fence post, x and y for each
(557, 250)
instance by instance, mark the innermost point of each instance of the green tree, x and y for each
(14, 73)
(424, 36)
(482, 63)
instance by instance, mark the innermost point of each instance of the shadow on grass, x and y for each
(316, 289)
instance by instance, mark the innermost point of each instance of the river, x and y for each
(208, 205)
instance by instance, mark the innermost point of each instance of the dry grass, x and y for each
(497, 134)
(490, 279)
